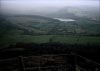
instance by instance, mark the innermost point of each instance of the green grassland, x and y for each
(68, 39)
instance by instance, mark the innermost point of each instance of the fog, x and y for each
(41, 6)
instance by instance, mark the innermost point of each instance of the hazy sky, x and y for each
(35, 6)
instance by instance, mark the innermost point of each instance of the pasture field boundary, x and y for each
(75, 65)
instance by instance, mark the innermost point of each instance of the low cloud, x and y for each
(37, 6)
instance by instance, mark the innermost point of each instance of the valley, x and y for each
(39, 29)
(49, 35)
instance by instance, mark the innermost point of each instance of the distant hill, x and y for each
(36, 25)
(26, 28)
(78, 12)
(26, 24)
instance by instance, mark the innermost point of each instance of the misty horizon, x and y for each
(38, 7)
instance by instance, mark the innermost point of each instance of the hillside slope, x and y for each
(42, 29)
(78, 12)
(33, 25)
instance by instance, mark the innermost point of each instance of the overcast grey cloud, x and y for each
(39, 6)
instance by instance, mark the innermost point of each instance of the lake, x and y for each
(66, 20)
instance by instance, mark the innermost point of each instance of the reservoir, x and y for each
(66, 20)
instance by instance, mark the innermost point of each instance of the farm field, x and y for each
(68, 39)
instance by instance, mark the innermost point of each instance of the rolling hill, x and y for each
(35, 25)
(26, 24)
(26, 28)
(77, 12)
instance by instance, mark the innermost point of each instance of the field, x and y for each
(67, 39)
